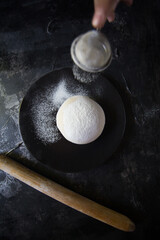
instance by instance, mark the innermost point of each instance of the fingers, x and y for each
(105, 10)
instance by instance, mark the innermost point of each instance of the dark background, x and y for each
(35, 38)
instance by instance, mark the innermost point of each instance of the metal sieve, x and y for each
(91, 51)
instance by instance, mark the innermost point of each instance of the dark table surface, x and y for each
(35, 38)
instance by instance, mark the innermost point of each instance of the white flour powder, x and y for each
(60, 94)
(83, 76)
(45, 107)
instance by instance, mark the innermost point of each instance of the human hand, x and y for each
(105, 10)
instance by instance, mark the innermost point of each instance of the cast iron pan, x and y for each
(64, 155)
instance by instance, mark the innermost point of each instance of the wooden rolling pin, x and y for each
(66, 196)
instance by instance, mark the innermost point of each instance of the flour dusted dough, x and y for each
(80, 119)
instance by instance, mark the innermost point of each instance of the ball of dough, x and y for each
(80, 119)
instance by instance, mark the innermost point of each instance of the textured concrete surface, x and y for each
(35, 38)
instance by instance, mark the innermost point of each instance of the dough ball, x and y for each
(80, 119)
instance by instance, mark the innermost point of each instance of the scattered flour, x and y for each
(11, 101)
(9, 186)
(45, 107)
(83, 76)
(43, 118)
(60, 94)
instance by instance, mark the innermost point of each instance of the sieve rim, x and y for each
(84, 67)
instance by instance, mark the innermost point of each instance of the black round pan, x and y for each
(62, 154)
